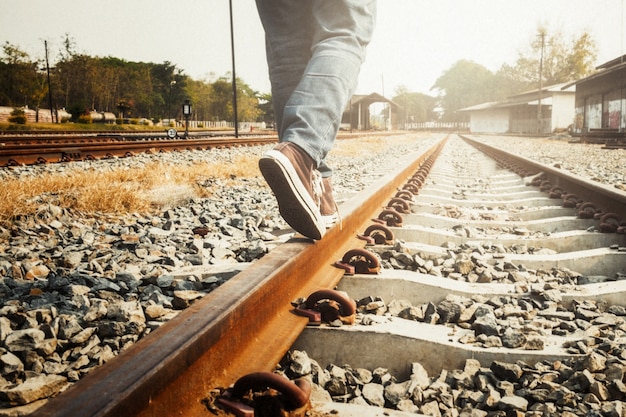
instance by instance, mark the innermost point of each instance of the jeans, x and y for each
(315, 49)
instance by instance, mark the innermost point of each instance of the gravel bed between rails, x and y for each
(606, 166)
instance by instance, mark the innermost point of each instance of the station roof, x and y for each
(369, 99)
(526, 98)
(609, 67)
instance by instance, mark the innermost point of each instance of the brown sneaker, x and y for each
(328, 206)
(290, 172)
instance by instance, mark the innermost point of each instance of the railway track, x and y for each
(248, 324)
(41, 149)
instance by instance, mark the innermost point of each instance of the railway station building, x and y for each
(543, 111)
(601, 101)
(357, 116)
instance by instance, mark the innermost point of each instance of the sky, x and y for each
(414, 43)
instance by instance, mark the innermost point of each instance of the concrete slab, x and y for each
(544, 225)
(420, 288)
(559, 242)
(396, 343)
(599, 261)
(424, 197)
(523, 214)
(488, 195)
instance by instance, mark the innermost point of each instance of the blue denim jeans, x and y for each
(315, 49)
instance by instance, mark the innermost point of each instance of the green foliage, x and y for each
(564, 59)
(415, 107)
(129, 89)
(18, 116)
(464, 84)
(84, 119)
(467, 83)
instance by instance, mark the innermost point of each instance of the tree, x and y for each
(222, 101)
(415, 107)
(563, 60)
(466, 83)
(83, 83)
(21, 83)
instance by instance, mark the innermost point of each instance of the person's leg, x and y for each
(313, 108)
(288, 170)
(312, 115)
(289, 35)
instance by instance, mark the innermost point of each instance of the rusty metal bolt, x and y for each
(587, 210)
(405, 195)
(570, 200)
(413, 188)
(556, 192)
(363, 261)
(545, 186)
(609, 223)
(400, 205)
(391, 218)
(381, 234)
(294, 394)
(333, 305)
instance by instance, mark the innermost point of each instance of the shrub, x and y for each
(85, 118)
(119, 121)
(18, 116)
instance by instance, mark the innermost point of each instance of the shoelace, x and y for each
(317, 187)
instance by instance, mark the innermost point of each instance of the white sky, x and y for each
(415, 40)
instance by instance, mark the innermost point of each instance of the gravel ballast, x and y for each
(78, 289)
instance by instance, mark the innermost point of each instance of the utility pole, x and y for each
(45, 44)
(232, 52)
(539, 115)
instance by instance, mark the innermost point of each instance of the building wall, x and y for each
(563, 111)
(601, 102)
(489, 121)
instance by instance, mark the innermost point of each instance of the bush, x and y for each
(134, 121)
(119, 121)
(85, 118)
(18, 116)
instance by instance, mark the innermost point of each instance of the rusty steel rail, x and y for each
(93, 147)
(567, 185)
(34, 149)
(244, 326)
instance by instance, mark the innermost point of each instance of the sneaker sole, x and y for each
(295, 204)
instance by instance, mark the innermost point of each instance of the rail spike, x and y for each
(391, 217)
(273, 395)
(379, 234)
(327, 306)
(359, 261)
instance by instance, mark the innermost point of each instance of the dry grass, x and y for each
(144, 190)
(119, 191)
(369, 145)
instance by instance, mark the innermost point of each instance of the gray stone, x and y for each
(25, 340)
(374, 394)
(35, 388)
